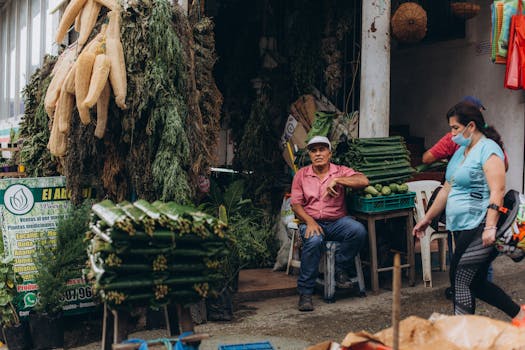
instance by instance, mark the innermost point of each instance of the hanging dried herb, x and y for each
(210, 98)
(303, 42)
(200, 154)
(166, 70)
(34, 131)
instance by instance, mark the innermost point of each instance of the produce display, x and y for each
(384, 160)
(154, 253)
(87, 72)
(386, 190)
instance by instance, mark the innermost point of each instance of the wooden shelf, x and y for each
(13, 174)
(8, 149)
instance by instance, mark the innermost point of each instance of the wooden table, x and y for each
(371, 219)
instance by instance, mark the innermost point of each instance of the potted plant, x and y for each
(56, 265)
(4, 166)
(45, 321)
(14, 332)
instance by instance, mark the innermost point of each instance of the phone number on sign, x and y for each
(80, 293)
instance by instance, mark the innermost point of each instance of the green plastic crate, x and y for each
(382, 203)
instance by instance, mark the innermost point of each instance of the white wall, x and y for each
(428, 79)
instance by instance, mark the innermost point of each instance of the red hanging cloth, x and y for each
(515, 73)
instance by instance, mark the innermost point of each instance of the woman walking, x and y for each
(472, 194)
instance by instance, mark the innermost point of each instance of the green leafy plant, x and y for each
(8, 281)
(57, 263)
(254, 245)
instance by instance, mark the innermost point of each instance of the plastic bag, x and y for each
(322, 124)
(286, 216)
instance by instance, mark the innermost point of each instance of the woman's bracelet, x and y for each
(490, 228)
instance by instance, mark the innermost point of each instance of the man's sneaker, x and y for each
(519, 322)
(342, 280)
(305, 302)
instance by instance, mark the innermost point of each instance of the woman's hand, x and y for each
(420, 228)
(488, 237)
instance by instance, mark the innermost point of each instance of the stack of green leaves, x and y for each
(383, 160)
(154, 253)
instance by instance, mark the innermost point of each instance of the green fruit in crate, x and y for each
(371, 190)
(368, 196)
(394, 188)
(385, 191)
(403, 188)
(378, 187)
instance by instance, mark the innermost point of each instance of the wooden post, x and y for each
(185, 320)
(396, 300)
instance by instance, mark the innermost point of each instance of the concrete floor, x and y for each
(278, 321)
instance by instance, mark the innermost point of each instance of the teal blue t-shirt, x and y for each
(469, 195)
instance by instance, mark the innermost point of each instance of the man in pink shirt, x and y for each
(318, 201)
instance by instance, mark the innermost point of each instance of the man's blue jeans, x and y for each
(350, 233)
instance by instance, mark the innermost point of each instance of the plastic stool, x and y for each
(327, 267)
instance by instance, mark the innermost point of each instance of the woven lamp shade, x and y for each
(465, 10)
(409, 23)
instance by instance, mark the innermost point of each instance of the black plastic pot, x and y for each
(17, 337)
(47, 331)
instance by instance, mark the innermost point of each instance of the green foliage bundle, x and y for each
(60, 262)
(156, 70)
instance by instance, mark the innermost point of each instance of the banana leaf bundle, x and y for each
(140, 218)
(152, 253)
(113, 216)
(383, 159)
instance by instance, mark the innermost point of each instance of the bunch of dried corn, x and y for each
(134, 257)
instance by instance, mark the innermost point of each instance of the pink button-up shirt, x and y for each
(308, 191)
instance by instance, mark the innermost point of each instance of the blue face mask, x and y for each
(462, 140)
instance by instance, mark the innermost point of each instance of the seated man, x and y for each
(318, 200)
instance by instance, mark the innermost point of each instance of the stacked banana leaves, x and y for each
(154, 253)
(383, 160)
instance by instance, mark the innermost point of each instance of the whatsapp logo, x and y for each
(30, 299)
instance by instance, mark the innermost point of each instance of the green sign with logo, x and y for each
(29, 208)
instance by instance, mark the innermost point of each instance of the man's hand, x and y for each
(313, 229)
(331, 189)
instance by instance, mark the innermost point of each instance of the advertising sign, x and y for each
(29, 210)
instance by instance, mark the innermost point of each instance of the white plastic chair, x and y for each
(424, 190)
